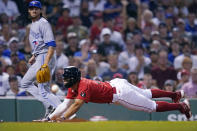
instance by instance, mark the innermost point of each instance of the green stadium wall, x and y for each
(28, 109)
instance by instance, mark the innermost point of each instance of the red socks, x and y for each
(165, 106)
(157, 93)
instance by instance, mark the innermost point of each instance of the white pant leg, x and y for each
(44, 88)
(145, 92)
(130, 97)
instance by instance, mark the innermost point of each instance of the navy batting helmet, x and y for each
(72, 75)
(35, 3)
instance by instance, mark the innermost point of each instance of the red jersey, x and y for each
(92, 91)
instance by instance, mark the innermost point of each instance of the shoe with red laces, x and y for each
(179, 94)
(186, 109)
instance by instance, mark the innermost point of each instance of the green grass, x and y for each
(101, 126)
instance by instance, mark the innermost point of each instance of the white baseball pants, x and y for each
(132, 97)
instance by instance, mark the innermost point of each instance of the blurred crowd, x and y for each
(151, 43)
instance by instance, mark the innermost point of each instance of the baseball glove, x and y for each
(43, 74)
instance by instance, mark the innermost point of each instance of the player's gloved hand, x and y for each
(43, 74)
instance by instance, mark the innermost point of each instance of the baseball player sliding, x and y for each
(43, 56)
(116, 91)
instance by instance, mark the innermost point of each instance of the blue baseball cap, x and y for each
(35, 3)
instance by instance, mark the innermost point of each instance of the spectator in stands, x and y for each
(64, 21)
(75, 61)
(96, 6)
(85, 15)
(181, 26)
(10, 8)
(145, 20)
(163, 71)
(184, 78)
(131, 27)
(4, 59)
(154, 61)
(4, 84)
(126, 54)
(132, 8)
(112, 9)
(83, 54)
(137, 37)
(14, 71)
(155, 35)
(58, 81)
(80, 30)
(96, 28)
(192, 6)
(13, 45)
(186, 50)
(14, 58)
(101, 66)
(180, 7)
(164, 37)
(133, 78)
(116, 36)
(5, 33)
(72, 41)
(3, 19)
(139, 61)
(159, 16)
(175, 51)
(52, 11)
(114, 71)
(74, 6)
(22, 68)
(148, 82)
(91, 69)
(169, 21)
(107, 46)
(176, 35)
(58, 78)
(146, 37)
(14, 87)
(187, 64)
(62, 59)
(191, 26)
(170, 85)
(190, 88)
(155, 46)
(10, 70)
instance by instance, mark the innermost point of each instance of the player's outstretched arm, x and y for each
(73, 108)
(61, 109)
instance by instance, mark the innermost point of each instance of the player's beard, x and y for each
(34, 18)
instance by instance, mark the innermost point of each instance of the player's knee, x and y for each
(153, 107)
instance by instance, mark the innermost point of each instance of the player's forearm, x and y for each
(49, 55)
(72, 109)
(61, 109)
